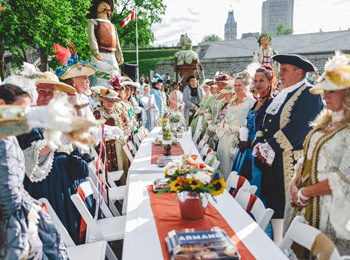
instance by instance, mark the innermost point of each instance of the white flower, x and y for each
(169, 165)
(177, 163)
(202, 177)
(209, 169)
(171, 171)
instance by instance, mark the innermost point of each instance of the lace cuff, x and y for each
(37, 168)
(266, 151)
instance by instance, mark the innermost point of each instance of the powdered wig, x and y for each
(325, 117)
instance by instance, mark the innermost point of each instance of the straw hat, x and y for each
(50, 78)
(106, 93)
(336, 75)
(207, 82)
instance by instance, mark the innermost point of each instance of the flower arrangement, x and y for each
(189, 175)
(165, 128)
(176, 117)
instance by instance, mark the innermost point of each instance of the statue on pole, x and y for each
(264, 55)
(103, 39)
(186, 63)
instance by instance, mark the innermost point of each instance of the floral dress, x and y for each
(200, 121)
(214, 110)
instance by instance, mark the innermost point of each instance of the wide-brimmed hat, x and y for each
(130, 83)
(207, 82)
(50, 78)
(157, 79)
(336, 75)
(228, 88)
(222, 76)
(296, 60)
(106, 93)
(72, 67)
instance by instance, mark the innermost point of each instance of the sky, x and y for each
(199, 18)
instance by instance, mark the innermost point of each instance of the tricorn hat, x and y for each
(190, 77)
(93, 9)
(296, 60)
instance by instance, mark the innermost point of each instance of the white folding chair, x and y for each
(236, 181)
(305, 235)
(203, 142)
(128, 153)
(144, 131)
(196, 136)
(93, 251)
(212, 161)
(109, 228)
(115, 193)
(137, 139)
(132, 147)
(260, 213)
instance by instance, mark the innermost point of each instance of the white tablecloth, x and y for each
(142, 161)
(141, 239)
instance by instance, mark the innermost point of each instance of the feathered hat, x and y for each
(106, 93)
(207, 82)
(336, 74)
(72, 67)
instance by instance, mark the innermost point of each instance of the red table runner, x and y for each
(166, 212)
(157, 151)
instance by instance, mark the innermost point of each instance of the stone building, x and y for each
(230, 27)
(234, 56)
(277, 12)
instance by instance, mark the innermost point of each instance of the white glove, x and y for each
(243, 133)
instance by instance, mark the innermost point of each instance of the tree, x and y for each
(211, 38)
(281, 29)
(148, 13)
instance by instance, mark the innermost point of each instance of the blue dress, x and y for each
(67, 173)
(15, 208)
(243, 163)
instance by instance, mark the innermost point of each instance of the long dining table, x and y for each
(141, 240)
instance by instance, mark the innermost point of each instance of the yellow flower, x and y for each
(175, 186)
(194, 183)
(218, 186)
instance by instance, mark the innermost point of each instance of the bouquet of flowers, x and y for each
(188, 175)
(176, 117)
(165, 128)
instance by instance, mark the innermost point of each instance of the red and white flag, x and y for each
(130, 17)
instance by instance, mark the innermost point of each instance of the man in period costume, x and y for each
(280, 136)
(264, 54)
(192, 97)
(103, 39)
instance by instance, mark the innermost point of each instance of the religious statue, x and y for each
(186, 63)
(263, 55)
(103, 39)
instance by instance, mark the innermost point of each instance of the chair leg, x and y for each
(109, 253)
(113, 209)
(277, 228)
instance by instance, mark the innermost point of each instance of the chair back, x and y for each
(137, 139)
(132, 147)
(254, 206)
(305, 235)
(234, 182)
(128, 153)
(67, 240)
(196, 136)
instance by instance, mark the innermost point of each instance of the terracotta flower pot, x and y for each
(192, 205)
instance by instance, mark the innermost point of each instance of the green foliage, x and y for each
(211, 38)
(283, 30)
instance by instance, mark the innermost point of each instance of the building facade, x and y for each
(276, 12)
(230, 27)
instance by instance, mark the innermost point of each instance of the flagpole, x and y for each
(137, 50)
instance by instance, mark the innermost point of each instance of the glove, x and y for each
(243, 145)
(116, 131)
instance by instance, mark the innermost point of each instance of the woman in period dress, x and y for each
(151, 108)
(263, 79)
(320, 190)
(199, 120)
(26, 230)
(218, 102)
(237, 110)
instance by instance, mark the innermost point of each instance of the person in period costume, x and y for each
(199, 121)
(213, 89)
(192, 97)
(176, 98)
(243, 163)
(26, 229)
(135, 101)
(158, 96)
(103, 40)
(320, 190)
(54, 174)
(264, 55)
(151, 109)
(237, 110)
(217, 103)
(278, 145)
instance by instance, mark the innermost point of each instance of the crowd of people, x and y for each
(279, 135)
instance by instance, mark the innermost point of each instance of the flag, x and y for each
(130, 17)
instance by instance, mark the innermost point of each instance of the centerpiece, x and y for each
(167, 136)
(176, 119)
(193, 182)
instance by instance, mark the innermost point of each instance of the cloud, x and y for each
(192, 12)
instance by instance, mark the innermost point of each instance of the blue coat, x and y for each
(285, 132)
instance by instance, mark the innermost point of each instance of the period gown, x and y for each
(330, 153)
(56, 176)
(200, 121)
(150, 120)
(227, 133)
(25, 228)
